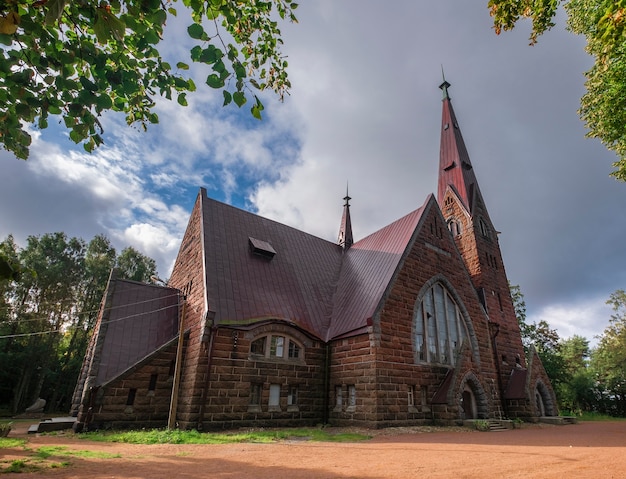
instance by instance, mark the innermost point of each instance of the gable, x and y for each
(137, 320)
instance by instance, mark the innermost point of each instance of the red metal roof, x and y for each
(455, 167)
(310, 281)
(295, 285)
(367, 270)
(139, 319)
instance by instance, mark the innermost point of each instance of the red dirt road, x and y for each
(586, 450)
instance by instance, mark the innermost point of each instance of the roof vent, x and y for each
(262, 248)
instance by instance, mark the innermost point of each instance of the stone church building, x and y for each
(262, 324)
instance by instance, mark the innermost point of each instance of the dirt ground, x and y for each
(589, 449)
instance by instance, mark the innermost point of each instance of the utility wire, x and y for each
(177, 305)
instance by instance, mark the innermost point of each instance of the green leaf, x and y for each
(114, 27)
(257, 108)
(239, 98)
(6, 39)
(54, 11)
(196, 52)
(195, 31)
(182, 99)
(182, 66)
(214, 81)
(227, 98)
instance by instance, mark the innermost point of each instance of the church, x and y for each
(261, 324)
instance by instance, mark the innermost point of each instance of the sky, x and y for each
(364, 111)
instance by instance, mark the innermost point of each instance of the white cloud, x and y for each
(586, 318)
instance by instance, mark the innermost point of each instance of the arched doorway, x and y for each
(469, 410)
(472, 399)
(544, 403)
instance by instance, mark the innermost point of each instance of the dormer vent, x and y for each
(261, 248)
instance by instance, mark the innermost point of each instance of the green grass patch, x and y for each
(591, 416)
(45, 452)
(175, 436)
(6, 442)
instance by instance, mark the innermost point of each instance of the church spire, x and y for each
(455, 167)
(345, 229)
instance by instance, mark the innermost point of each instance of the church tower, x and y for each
(464, 209)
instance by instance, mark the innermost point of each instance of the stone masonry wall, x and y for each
(401, 380)
(117, 406)
(235, 372)
(188, 276)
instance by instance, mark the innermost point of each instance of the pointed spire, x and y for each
(445, 85)
(345, 229)
(455, 167)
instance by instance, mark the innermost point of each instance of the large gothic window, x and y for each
(439, 327)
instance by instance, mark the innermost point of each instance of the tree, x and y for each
(46, 317)
(78, 59)
(603, 107)
(609, 358)
(135, 266)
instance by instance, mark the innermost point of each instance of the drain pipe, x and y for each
(171, 420)
(495, 330)
(326, 401)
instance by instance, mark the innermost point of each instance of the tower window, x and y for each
(454, 226)
(484, 229)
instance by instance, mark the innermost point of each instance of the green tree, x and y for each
(135, 266)
(46, 318)
(602, 22)
(609, 358)
(577, 391)
(78, 59)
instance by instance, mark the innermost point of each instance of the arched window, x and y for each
(439, 327)
(276, 346)
(454, 226)
(484, 229)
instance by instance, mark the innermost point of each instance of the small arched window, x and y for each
(439, 327)
(484, 229)
(276, 346)
(454, 226)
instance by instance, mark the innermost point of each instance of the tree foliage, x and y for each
(609, 358)
(602, 22)
(46, 317)
(77, 59)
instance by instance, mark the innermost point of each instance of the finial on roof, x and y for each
(347, 197)
(345, 228)
(445, 85)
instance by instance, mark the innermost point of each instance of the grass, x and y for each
(6, 442)
(46, 451)
(591, 416)
(174, 436)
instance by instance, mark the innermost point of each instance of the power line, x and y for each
(177, 305)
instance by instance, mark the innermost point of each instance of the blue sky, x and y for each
(364, 109)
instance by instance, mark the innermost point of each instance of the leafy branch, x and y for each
(78, 59)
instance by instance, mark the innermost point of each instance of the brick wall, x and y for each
(188, 276)
(114, 406)
(434, 257)
(235, 371)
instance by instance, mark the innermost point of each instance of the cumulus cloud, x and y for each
(364, 111)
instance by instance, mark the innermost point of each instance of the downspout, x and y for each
(326, 383)
(171, 420)
(496, 328)
(205, 390)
